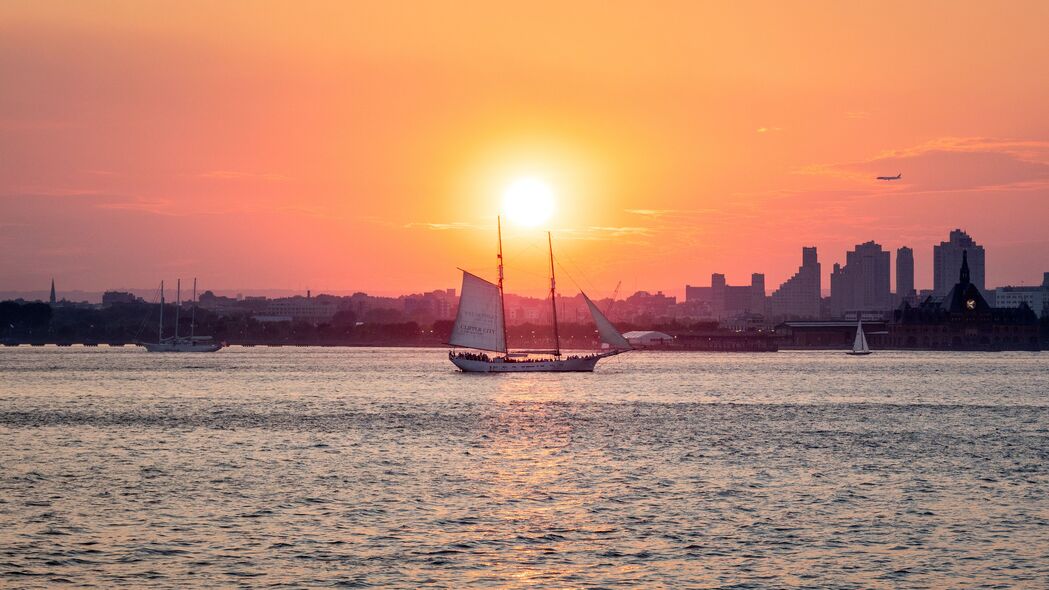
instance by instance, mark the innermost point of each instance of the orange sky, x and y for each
(351, 145)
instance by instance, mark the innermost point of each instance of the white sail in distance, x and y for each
(860, 344)
(479, 321)
(609, 334)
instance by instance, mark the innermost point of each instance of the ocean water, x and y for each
(338, 467)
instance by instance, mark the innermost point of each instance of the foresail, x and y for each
(609, 334)
(479, 321)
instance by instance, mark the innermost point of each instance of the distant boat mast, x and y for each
(193, 314)
(178, 304)
(160, 329)
(502, 301)
(553, 295)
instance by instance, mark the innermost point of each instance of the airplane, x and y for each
(898, 176)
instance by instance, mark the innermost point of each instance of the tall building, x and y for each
(947, 262)
(757, 294)
(53, 299)
(905, 274)
(799, 296)
(862, 285)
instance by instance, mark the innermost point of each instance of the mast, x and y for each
(178, 304)
(553, 295)
(160, 329)
(193, 314)
(502, 302)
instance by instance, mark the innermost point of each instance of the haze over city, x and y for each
(368, 146)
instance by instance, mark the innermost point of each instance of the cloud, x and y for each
(237, 175)
(661, 213)
(952, 164)
(59, 191)
(154, 206)
(597, 232)
(592, 232)
(454, 225)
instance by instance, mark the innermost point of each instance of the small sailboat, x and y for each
(859, 345)
(480, 324)
(193, 343)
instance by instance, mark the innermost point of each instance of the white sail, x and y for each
(860, 344)
(479, 321)
(609, 334)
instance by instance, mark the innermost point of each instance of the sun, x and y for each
(528, 201)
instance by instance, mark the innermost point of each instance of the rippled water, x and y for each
(366, 467)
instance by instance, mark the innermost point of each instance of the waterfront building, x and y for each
(648, 338)
(115, 297)
(947, 261)
(799, 296)
(729, 301)
(53, 299)
(1037, 298)
(440, 304)
(862, 285)
(829, 334)
(905, 275)
(644, 306)
(963, 320)
(305, 309)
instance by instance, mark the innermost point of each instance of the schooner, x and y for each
(178, 343)
(480, 324)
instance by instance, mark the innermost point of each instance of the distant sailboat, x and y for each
(480, 324)
(859, 345)
(174, 343)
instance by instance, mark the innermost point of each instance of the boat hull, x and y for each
(583, 364)
(858, 352)
(182, 346)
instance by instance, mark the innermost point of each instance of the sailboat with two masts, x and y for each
(859, 345)
(175, 343)
(480, 324)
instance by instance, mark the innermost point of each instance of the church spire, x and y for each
(963, 276)
(53, 301)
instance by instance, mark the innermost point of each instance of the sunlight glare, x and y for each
(528, 202)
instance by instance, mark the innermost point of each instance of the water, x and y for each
(288, 467)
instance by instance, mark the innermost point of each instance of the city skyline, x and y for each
(358, 146)
(890, 277)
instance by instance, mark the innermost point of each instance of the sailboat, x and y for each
(193, 343)
(859, 345)
(480, 324)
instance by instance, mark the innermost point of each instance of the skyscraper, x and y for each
(799, 296)
(757, 293)
(905, 274)
(947, 262)
(53, 300)
(862, 285)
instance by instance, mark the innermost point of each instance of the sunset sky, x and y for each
(365, 146)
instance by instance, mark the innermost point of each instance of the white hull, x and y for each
(582, 364)
(182, 346)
